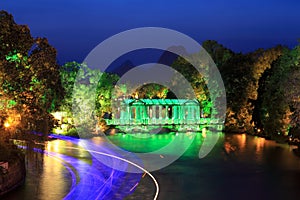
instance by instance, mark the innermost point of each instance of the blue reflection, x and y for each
(94, 180)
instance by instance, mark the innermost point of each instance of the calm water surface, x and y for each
(239, 167)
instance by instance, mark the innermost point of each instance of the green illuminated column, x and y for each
(129, 113)
(174, 110)
(138, 112)
(182, 112)
(189, 113)
(146, 112)
(122, 117)
(122, 113)
(193, 112)
(149, 112)
(198, 113)
(160, 112)
(185, 112)
(167, 112)
(132, 112)
(153, 112)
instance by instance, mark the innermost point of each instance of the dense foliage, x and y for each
(262, 87)
(281, 95)
(30, 84)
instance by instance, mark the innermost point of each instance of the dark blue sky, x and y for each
(74, 27)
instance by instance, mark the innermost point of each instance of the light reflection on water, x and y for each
(89, 178)
(239, 167)
(46, 179)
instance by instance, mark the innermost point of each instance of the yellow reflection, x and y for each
(48, 146)
(229, 148)
(56, 183)
(53, 146)
(260, 143)
(241, 140)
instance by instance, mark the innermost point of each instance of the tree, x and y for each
(218, 52)
(68, 73)
(29, 74)
(237, 77)
(280, 104)
(105, 95)
(261, 70)
(242, 74)
(151, 91)
(197, 81)
(88, 95)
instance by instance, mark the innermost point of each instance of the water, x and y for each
(239, 167)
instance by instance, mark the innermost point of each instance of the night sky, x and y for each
(75, 27)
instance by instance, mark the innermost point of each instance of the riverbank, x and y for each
(12, 168)
(281, 140)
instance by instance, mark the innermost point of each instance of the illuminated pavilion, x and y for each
(147, 114)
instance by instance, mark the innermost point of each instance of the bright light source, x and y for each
(6, 125)
(57, 115)
(258, 130)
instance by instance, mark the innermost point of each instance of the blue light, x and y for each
(95, 180)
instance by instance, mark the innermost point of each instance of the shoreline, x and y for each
(13, 174)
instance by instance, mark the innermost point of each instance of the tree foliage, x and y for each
(242, 74)
(281, 97)
(262, 87)
(88, 94)
(29, 74)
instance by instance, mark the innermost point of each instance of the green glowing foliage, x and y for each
(68, 73)
(74, 73)
(151, 91)
(14, 57)
(207, 106)
(104, 91)
(12, 103)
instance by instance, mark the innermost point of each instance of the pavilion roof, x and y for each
(163, 102)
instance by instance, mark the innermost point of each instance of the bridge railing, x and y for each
(154, 121)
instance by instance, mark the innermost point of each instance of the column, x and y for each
(129, 114)
(198, 112)
(138, 113)
(193, 112)
(167, 112)
(174, 114)
(153, 112)
(146, 114)
(149, 114)
(160, 112)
